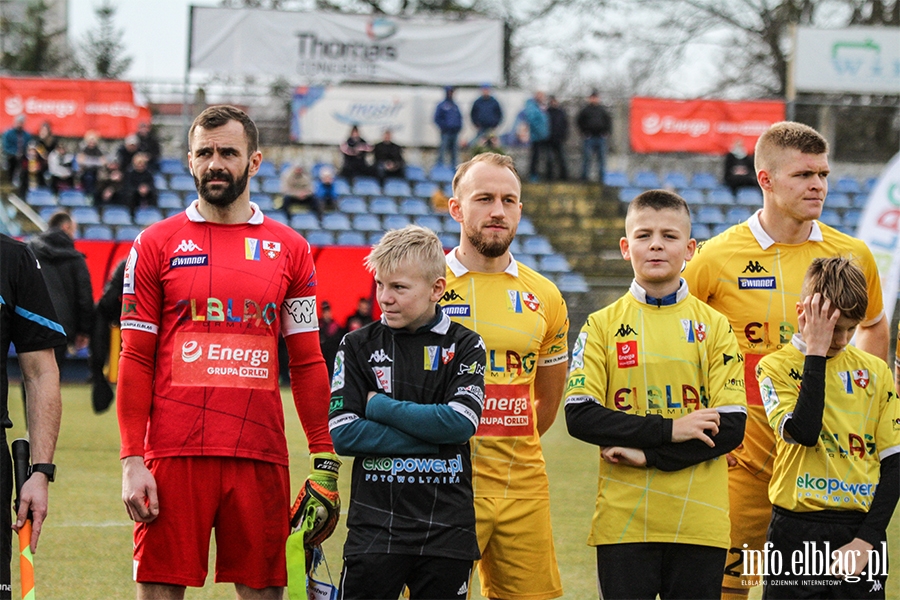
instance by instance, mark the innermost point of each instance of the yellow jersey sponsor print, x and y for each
(860, 427)
(522, 318)
(659, 360)
(755, 282)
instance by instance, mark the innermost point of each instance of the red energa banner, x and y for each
(699, 126)
(72, 106)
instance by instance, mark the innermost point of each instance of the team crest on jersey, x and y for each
(271, 249)
(251, 249)
(383, 377)
(431, 357)
(693, 331)
(514, 301)
(847, 378)
(626, 354)
(578, 351)
(447, 354)
(531, 301)
(861, 378)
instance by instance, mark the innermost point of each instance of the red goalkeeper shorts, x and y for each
(246, 501)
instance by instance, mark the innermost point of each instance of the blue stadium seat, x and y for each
(366, 186)
(171, 212)
(676, 180)
(160, 182)
(526, 227)
(616, 179)
(264, 201)
(449, 240)
(351, 238)
(847, 185)
(737, 214)
(711, 215)
(46, 212)
(374, 237)
(352, 205)
(73, 198)
(537, 245)
(366, 222)
(704, 181)
(554, 263)
(97, 232)
(424, 189)
(692, 195)
(646, 180)
(277, 215)
(182, 183)
(432, 222)
(750, 196)
(335, 222)
(267, 169)
(414, 206)
(383, 206)
(719, 228)
(40, 197)
(395, 222)
(720, 197)
(852, 218)
(147, 215)
(168, 200)
(270, 185)
(831, 218)
(127, 233)
(304, 221)
(171, 166)
(860, 200)
(869, 184)
(86, 215)
(397, 188)
(572, 283)
(700, 231)
(116, 215)
(442, 174)
(317, 169)
(320, 238)
(838, 200)
(342, 188)
(529, 260)
(415, 173)
(254, 186)
(627, 194)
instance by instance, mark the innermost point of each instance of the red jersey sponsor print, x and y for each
(507, 411)
(626, 354)
(224, 360)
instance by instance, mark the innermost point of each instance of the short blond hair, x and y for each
(413, 245)
(786, 135)
(840, 281)
(498, 160)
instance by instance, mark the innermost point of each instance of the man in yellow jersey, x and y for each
(523, 320)
(752, 273)
(897, 362)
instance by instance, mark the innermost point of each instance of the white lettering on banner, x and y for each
(653, 124)
(113, 109)
(56, 108)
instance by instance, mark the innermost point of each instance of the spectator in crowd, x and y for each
(60, 167)
(90, 160)
(355, 150)
(449, 121)
(595, 125)
(739, 169)
(107, 313)
(297, 190)
(30, 175)
(110, 186)
(68, 280)
(325, 187)
(125, 153)
(559, 133)
(149, 145)
(362, 316)
(45, 144)
(389, 158)
(15, 146)
(486, 115)
(140, 189)
(330, 334)
(538, 131)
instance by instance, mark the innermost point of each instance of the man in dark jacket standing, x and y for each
(486, 115)
(68, 280)
(559, 132)
(449, 120)
(595, 125)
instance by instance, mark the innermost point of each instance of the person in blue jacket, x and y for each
(449, 120)
(538, 130)
(486, 114)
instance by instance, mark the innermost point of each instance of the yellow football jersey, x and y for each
(523, 320)
(860, 427)
(755, 282)
(666, 360)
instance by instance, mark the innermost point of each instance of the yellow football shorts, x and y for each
(750, 512)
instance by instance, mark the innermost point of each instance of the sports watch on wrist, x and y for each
(48, 469)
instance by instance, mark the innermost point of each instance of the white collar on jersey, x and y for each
(460, 269)
(441, 327)
(194, 215)
(765, 241)
(641, 294)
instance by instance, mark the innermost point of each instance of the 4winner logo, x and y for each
(754, 267)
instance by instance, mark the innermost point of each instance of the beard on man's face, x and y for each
(222, 197)
(490, 247)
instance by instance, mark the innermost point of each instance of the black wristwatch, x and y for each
(48, 469)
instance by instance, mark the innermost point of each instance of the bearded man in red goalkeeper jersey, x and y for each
(206, 294)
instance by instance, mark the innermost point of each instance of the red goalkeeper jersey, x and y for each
(216, 296)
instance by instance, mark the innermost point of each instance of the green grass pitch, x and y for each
(85, 548)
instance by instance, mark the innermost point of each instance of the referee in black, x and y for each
(27, 319)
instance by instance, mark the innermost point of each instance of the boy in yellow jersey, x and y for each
(836, 420)
(657, 383)
(523, 320)
(752, 274)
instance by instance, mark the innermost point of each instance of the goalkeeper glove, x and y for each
(318, 505)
